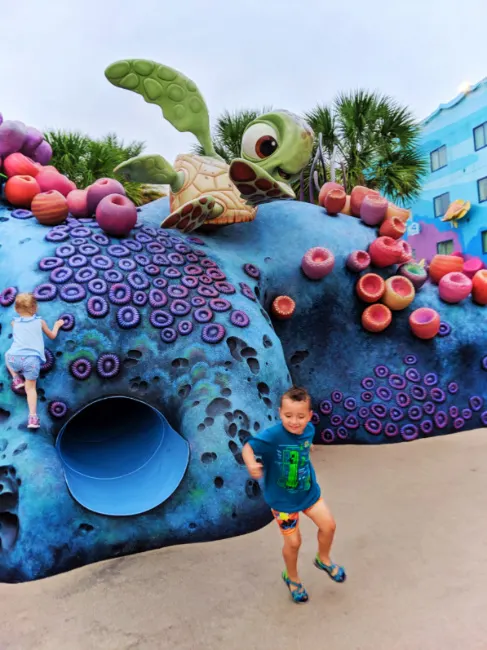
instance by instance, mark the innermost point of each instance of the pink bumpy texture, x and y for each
(16, 164)
(317, 263)
(373, 210)
(385, 251)
(454, 287)
(472, 265)
(49, 179)
(78, 203)
(101, 188)
(358, 261)
(116, 215)
(326, 188)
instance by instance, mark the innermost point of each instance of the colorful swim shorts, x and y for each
(289, 521)
(29, 367)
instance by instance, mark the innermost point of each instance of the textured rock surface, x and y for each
(215, 394)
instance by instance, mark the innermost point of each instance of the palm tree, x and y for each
(228, 132)
(84, 160)
(363, 138)
(376, 142)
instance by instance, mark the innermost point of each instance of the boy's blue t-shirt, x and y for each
(289, 478)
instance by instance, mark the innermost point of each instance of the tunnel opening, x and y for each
(121, 457)
(9, 530)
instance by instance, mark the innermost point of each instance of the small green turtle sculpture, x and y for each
(205, 191)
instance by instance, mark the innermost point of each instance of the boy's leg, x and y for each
(290, 551)
(30, 389)
(322, 517)
(291, 535)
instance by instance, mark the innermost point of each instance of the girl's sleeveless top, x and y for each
(28, 340)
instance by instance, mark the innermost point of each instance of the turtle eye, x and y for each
(259, 141)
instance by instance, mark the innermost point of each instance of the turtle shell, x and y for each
(203, 176)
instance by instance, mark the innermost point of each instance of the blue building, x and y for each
(455, 142)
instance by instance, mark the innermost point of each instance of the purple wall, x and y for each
(425, 244)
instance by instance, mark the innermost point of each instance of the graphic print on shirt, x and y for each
(293, 461)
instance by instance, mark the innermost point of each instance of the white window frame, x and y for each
(481, 128)
(440, 196)
(438, 158)
(482, 189)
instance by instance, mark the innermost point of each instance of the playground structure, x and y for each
(177, 346)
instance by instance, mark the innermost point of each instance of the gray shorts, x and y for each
(29, 367)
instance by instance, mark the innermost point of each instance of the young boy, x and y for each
(27, 350)
(290, 486)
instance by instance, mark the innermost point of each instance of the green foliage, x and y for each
(377, 143)
(84, 160)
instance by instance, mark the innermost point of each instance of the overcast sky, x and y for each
(240, 54)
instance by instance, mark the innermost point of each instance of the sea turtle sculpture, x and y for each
(205, 191)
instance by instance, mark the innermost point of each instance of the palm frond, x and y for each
(399, 176)
(322, 120)
(377, 140)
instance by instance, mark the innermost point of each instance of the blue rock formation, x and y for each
(205, 355)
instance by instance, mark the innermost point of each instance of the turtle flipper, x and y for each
(150, 169)
(257, 186)
(193, 214)
(180, 100)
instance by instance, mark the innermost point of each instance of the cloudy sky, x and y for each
(240, 54)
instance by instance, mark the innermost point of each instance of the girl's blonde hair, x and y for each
(26, 302)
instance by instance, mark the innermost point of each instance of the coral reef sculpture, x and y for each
(184, 325)
(175, 348)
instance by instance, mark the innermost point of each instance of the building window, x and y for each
(484, 241)
(482, 188)
(445, 247)
(480, 136)
(441, 204)
(438, 158)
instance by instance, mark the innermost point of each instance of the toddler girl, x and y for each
(27, 350)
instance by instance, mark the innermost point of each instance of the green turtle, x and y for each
(275, 148)
(205, 191)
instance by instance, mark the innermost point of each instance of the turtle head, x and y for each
(275, 148)
(280, 143)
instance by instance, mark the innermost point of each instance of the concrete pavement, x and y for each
(412, 533)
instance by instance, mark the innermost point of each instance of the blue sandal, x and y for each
(299, 595)
(339, 576)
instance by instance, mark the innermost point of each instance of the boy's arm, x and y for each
(254, 468)
(52, 334)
